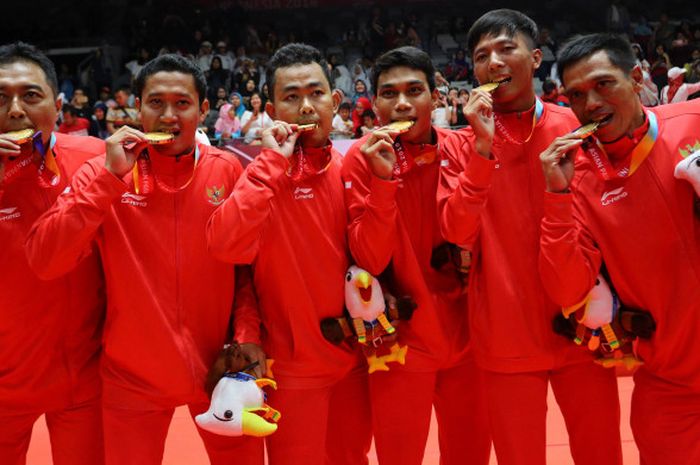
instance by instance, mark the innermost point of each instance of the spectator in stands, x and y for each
(80, 103)
(677, 90)
(122, 114)
(342, 123)
(551, 94)
(72, 123)
(360, 91)
(221, 99)
(65, 81)
(411, 36)
(265, 93)
(369, 120)
(248, 90)
(272, 42)
(457, 99)
(228, 125)
(217, 76)
(458, 68)
(361, 105)
(663, 32)
(246, 72)
(255, 120)
(649, 94)
(660, 66)
(135, 65)
(224, 55)
(359, 72)
(549, 54)
(692, 68)
(617, 18)
(204, 56)
(442, 112)
(441, 83)
(105, 96)
(98, 121)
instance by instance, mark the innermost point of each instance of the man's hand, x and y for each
(378, 150)
(122, 149)
(254, 353)
(558, 162)
(280, 137)
(479, 113)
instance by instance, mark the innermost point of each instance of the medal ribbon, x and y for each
(143, 176)
(426, 154)
(503, 132)
(632, 162)
(301, 165)
(49, 173)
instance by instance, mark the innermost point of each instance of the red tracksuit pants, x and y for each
(137, 437)
(665, 421)
(588, 398)
(75, 433)
(402, 404)
(322, 426)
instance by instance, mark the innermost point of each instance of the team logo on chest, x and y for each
(613, 196)
(216, 195)
(10, 213)
(303, 193)
(134, 199)
(688, 146)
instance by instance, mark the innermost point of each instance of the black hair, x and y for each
(368, 113)
(495, 22)
(22, 51)
(548, 86)
(172, 63)
(292, 55)
(69, 109)
(345, 106)
(410, 57)
(617, 48)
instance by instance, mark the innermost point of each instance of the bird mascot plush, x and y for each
(605, 326)
(237, 405)
(371, 318)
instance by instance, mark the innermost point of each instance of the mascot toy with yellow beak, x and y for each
(371, 319)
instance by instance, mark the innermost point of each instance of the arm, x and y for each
(462, 193)
(371, 205)
(246, 320)
(59, 239)
(569, 259)
(235, 228)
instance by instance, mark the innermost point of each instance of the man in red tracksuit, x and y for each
(490, 202)
(287, 218)
(626, 209)
(390, 185)
(49, 330)
(168, 302)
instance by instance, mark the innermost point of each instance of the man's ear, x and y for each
(337, 99)
(203, 110)
(270, 109)
(536, 58)
(637, 77)
(59, 104)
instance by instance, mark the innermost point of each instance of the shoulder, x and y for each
(458, 142)
(688, 109)
(557, 116)
(80, 148)
(220, 158)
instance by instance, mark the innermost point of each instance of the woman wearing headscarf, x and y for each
(217, 77)
(361, 105)
(98, 121)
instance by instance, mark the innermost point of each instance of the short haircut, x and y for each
(345, 106)
(294, 55)
(410, 57)
(172, 63)
(495, 22)
(69, 109)
(617, 48)
(368, 114)
(548, 86)
(22, 51)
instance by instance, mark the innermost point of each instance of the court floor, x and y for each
(184, 448)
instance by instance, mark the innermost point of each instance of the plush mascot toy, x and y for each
(238, 402)
(689, 169)
(371, 320)
(605, 326)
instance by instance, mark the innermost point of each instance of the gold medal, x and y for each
(400, 126)
(306, 127)
(157, 138)
(586, 130)
(491, 86)
(20, 137)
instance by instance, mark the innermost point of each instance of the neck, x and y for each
(519, 104)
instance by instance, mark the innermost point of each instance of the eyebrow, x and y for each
(179, 94)
(291, 87)
(394, 84)
(496, 42)
(26, 87)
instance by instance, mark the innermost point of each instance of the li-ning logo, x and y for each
(10, 213)
(134, 199)
(216, 195)
(613, 196)
(301, 193)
